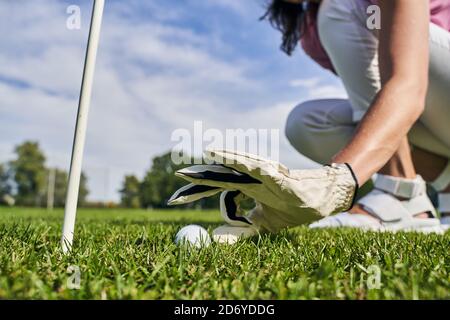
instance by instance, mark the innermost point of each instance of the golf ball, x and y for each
(194, 235)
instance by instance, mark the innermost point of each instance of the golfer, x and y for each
(396, 121)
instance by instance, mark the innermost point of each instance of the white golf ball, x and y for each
(195, 235)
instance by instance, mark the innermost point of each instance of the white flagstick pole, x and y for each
(81, 126)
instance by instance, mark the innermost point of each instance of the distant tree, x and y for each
(5, 183)
(31, 178)
(84, 190)
(5, 187)
(29, 173)
(61, 179)
(129, 193)
(160, 183)
(60, 187)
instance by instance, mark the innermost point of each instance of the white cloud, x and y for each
(308, 83)
(317, 89)
(239, 7)
(327, 91)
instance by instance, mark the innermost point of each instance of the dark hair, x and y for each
(290, 19)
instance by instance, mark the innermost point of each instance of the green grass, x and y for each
(129, 254)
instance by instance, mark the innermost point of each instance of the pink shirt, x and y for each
(440, 15)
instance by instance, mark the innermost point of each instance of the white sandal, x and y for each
(391, 214)
(444, 206)
(440, 184)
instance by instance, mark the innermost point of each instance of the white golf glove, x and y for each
(284, 198)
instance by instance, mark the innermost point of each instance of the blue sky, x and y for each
(162, 65)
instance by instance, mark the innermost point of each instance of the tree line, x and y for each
(24, 181)
(156, 187)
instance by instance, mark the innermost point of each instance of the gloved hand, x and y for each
(284, 197)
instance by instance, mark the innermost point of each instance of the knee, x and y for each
(301, 124)
(319, 128)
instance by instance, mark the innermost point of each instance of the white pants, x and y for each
(319, 129)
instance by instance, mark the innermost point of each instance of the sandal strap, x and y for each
(443, 180)
(420, 204)
(444, 202)
(384, 206)
(387, 208)
(400, 187)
